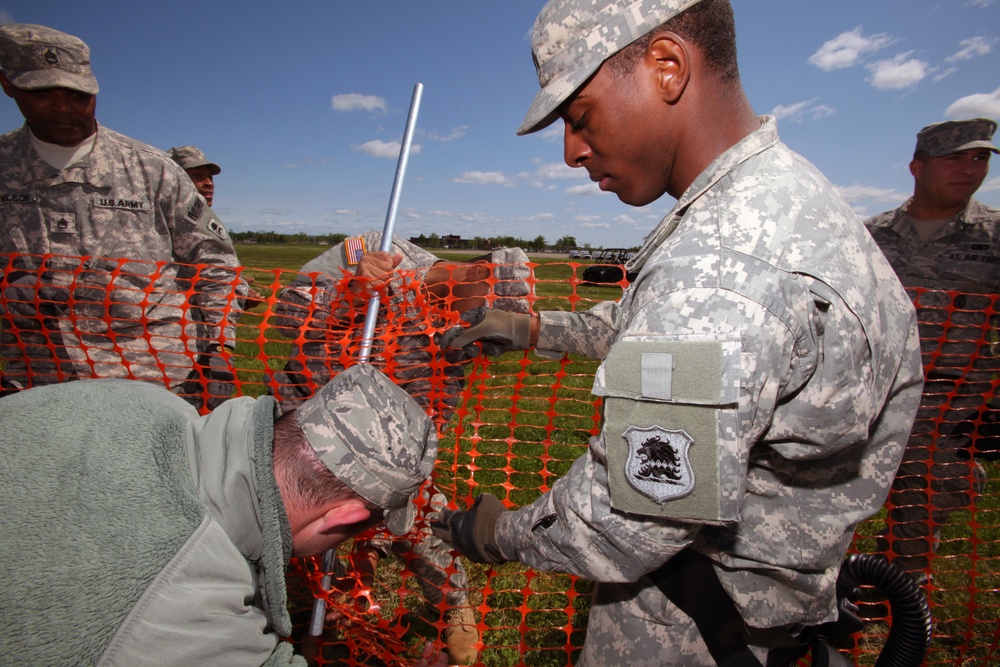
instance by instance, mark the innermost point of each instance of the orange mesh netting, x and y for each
(509, 426)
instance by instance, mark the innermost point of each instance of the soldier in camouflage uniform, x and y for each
(941, 238)
(202, 172)
(759, 376)
(309, 307)
(944, 240)
(188, 521)
(89, 195)
(199, 168)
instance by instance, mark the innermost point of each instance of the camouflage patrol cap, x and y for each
(571, 38)
(951, 136)
(34, 57)
(189, 157)
(374, 437)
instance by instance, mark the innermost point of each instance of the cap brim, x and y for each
(979, 143)
(55, 79)
(544, 109)
(214, 168)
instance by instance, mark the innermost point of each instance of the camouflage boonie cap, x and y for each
(34, 57)
(189, 157)
(571, 38)
(951, 136)
(374, 437)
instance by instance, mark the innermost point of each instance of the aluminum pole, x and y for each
(368, 333)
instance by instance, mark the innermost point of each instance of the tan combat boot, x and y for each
(462, 637)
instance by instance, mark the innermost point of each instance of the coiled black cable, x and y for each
(910, 633)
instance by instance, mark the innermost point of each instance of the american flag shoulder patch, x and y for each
(355, 249)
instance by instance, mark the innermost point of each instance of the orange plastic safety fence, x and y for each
(509, 426)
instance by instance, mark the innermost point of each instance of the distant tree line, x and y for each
(433, 241)
(278, 237)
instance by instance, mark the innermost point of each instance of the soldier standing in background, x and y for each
(941, 238)
(944, 240)
(74, 189)
(199, 168)
(203, 172)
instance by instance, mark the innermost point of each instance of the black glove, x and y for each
(210, 382)
(473, 533)
(498, 331)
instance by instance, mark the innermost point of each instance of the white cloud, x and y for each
(897, 73)
(553, 132)
(986, 105)
(276, 211)
(856, 193)
(944, 73)
(595, 225)
(539, 178)
(800, 111)
(474, 218)
(482, 178)
(344, 211)
(625, 220)
(972, 48)
(386, 149)
(457, 133)
(992, 185)
(846, 49)
(588, 190)
(357, 102)
(559, 170)
(983, 3)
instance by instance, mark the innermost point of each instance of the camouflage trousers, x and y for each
(635, 624)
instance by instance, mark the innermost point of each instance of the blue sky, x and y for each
(304, 104)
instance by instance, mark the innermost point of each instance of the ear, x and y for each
(341, 517)
(669, 58)
(327, 528)
(916, 168)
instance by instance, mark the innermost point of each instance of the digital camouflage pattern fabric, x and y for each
(34, 57)
(829, 378)
(963, 255)
(190, 157)
(571, 38)
(951, 136)
(374, 437)
(312, 311)
(105, 317)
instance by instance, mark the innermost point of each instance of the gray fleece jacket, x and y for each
(137, 532)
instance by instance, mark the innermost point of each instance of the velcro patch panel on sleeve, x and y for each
(209, 224)
(670, 427)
